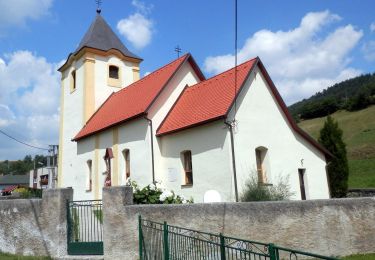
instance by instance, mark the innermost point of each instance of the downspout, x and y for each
(233, 159)
(152, 149)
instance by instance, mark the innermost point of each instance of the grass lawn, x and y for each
(360, 257)
(4, 256)
(359, 135)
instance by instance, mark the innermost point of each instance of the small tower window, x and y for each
(113, 72)
(74, 83)
(188, 167)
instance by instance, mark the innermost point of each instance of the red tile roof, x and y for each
(134, 100)
(206, 101)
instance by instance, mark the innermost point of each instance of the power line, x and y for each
(15, 139)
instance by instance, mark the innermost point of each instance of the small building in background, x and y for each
(10, 182)
(43, 178)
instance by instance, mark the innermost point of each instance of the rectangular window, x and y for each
(89, 176)
(73, 81)
(188, 167)
(301, 173)
(126, 154)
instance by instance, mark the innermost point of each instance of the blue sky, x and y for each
(305, 47)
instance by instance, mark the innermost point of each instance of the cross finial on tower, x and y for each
(98, 4)
(178, 51)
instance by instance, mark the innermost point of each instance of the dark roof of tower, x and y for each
(101, 36)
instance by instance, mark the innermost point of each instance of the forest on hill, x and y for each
(22, 166)
(351, 95)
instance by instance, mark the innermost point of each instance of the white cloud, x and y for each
(29, 103)
(137, 28)
(301, 61)
(16, 12)
(372, 27)
(142, 7)
(368, 50)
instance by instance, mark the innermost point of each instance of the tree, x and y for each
(337, 169)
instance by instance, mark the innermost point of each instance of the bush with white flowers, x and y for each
(154, 194)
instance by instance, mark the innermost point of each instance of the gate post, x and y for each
(140, 235)
(222, 247)
(272, 251)
(166, 247)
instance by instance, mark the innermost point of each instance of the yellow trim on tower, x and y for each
(59, 169)
(136, 72)
(96, 167)
(87, 50)
(89, 87)
(115, 172)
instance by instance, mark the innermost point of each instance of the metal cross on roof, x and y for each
(98, 4)
(178, 51)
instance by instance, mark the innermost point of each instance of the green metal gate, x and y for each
(85, 227)
(164, 242)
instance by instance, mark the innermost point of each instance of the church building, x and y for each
(201, 138)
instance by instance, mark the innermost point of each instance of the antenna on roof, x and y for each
(98, 4)
(178, 50)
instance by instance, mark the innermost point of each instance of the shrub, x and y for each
(153, 194)
(28, 192)
(255, 191)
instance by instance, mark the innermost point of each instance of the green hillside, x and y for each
(351, 95)
(359, 136)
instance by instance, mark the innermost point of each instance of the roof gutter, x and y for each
(152, 148)
(230, 127)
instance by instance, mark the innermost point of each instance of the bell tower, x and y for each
(99, 66)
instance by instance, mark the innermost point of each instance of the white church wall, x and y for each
(72, 122)
(261, 122)
(135, 136)
(211, 161)
(102, 89)
(85, 152)
(184, 76)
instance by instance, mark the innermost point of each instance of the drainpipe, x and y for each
(233, 159)
(152, 149)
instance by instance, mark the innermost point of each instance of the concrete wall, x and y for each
(329, 227)
(35, 226)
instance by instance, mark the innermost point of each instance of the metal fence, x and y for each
(163, 241)
(85, 227)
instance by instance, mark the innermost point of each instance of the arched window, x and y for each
(126, 154)
(262, 163)
(74, 83)
(188, 167)
(89, 176)
(113, 72)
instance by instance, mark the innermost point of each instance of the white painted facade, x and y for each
(260, 123)
(72, 117)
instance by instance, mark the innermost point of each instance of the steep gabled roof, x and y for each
(100, 36)
(206, 101)
(135, 100)
(212, 99)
